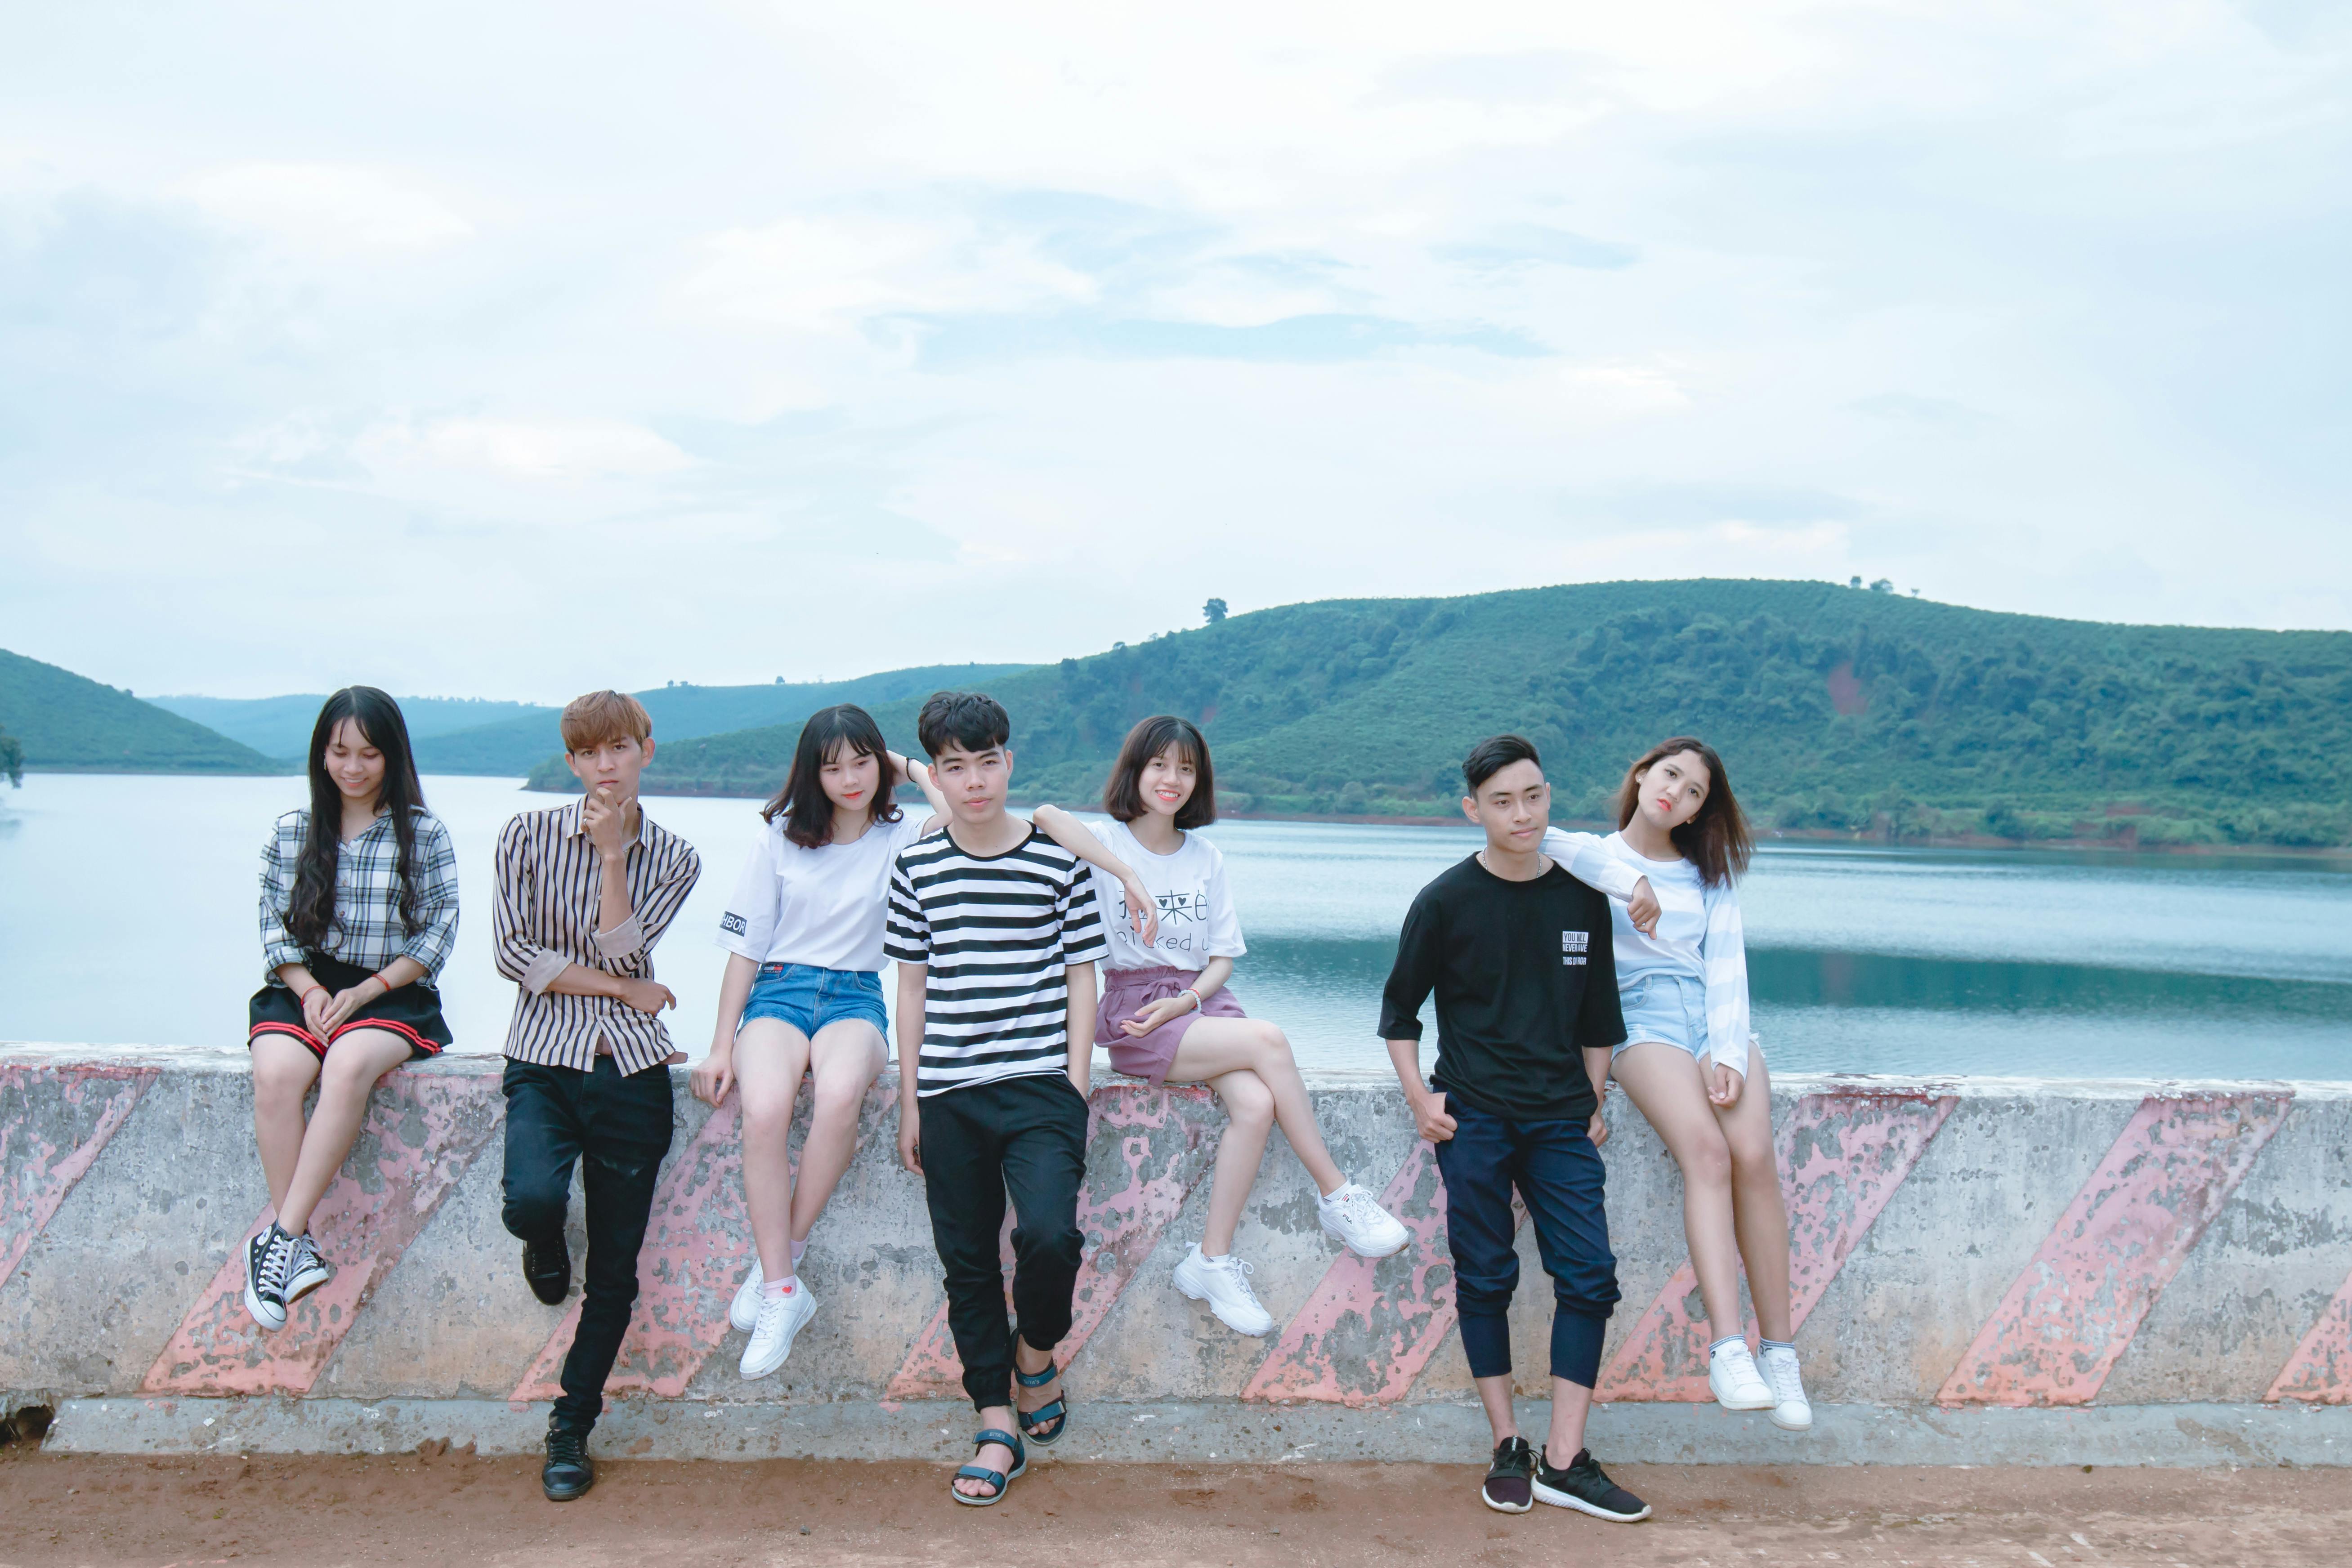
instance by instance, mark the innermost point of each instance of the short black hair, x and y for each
(1123, 794)
(968, 720)
(1493, 754)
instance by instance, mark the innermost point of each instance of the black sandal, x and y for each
(1000, 1479)
(1055, 1410)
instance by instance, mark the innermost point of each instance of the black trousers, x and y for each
(1027, 1135)
(616, 1129)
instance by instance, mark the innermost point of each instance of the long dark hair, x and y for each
(1123, 794)
(310, 913)
(1717, 840)
(806, 809)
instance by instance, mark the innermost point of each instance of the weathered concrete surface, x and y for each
(1985, 1270)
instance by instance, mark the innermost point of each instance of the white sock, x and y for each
(1726, 1339)
(778, 1287)
(1335, 1192)
(798, 1247)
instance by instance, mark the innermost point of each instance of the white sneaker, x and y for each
(1791, 1411)
(1356, 1217)
(1732, 1376)
(1224, 1284)
(779, 1317)
(744, 1310)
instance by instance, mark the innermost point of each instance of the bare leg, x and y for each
(1569, 1403)
(1249, 1116)
(283, 1072)
(770, 1058)
(1759, 1212)
(1495, 1395)
(1214, 1047)
(1665, 1085)
(353, 1063)
(845, 1058)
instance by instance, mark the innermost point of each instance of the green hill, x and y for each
(280, 726)
(66, 723)
(1837, 709)
(681, 713)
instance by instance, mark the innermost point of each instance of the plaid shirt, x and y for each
(367, 929)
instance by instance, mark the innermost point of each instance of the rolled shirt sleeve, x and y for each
(520, 959)
(436, 935)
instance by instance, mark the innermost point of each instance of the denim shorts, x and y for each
(1668, 1008)
(808, 998)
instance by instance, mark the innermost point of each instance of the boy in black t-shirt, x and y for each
(1519, 954)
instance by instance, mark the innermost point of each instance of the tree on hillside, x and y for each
(1215, 610)
(12, 759)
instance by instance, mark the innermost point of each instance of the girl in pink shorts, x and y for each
(1167, 1016)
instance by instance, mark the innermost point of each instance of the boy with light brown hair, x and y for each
(587, 1075)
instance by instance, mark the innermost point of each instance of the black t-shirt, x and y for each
(1525, 977)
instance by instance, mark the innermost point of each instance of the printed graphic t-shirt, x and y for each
(821, 906)
(997, 932)
(1526, 983)
(1197, 922)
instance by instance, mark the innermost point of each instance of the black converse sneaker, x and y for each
(1584, 1485)
(305, 1269)
(1507, 1486)
(267, 1257)
(569, 1471)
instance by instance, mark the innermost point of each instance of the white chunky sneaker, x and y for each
(779, 1317)
(1356, 1217)
(1224, 1284)
(1791, 1411)
(744, 1310)
(1732, 1376)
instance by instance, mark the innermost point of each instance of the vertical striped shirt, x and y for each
(997, 932)
(545, 922)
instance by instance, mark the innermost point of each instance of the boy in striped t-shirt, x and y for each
(997, 932)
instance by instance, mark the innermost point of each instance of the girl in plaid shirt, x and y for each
(358, 912)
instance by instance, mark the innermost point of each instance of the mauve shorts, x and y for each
(1125, 993)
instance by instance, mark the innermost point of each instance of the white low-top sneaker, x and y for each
(1224, 1284)
(1791, 1411)
(1356, 1217)
(1732, 1377)
(744, 1310)
(779, 1317)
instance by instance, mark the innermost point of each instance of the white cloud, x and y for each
(532, 449)
(328, 207)
(826, 273)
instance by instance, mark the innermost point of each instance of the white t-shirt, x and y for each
(1197, 922)
(821, 906)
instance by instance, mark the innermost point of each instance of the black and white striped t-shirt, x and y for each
(997, 932)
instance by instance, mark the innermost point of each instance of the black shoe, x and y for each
(1584, 1485)
(569, 1471)
(547, 1270)
(1510, 1477)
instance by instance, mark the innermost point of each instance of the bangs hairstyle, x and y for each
(807, 810)
(968, 721)
(1717, 840)
(310, 912)
(1123, 795)
(604, 716)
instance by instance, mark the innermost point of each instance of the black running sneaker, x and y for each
(1510, 1477)
(547, 1270)
(569, 1471)
(1585, 1485)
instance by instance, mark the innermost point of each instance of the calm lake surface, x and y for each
(127, 915)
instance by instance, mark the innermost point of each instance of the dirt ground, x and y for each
(451, 1507)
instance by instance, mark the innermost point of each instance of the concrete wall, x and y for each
(1985, 1270)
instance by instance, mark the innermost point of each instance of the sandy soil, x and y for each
(450, 1507)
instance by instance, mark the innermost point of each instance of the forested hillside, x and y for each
(1835, 708)
(66, 723)
(280, 726)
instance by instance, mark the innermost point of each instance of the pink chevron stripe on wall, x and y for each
(54, 1122)
(2320, 1371)
(2075, 1309)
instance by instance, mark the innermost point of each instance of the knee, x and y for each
(536, 1209)
(1706, 1160)
(1752, 1159)
(837, 1100)
(277, 1085)
(345, 1076)
(1064, 1248)
(767, 1110)
(1248, 1102)
(1272, 1044)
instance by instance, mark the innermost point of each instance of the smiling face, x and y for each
(1513, 804)
(609, 768)
(1672, 790)
(353, 763)
(852, 780)
(974, 782)
(1167, 782)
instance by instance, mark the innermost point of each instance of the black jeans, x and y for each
(617, 1129)
(1028, 1134)
(1560, 1178)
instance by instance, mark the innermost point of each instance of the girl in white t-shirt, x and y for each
(1166, 1014)
(1689, 1063)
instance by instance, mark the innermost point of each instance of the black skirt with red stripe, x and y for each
(411, 1011)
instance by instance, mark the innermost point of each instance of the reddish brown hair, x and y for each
(604, 716)
(1123, 794)
(1717, 840)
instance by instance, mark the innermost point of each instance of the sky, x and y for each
(515, 350)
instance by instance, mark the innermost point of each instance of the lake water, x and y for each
(127, 915)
